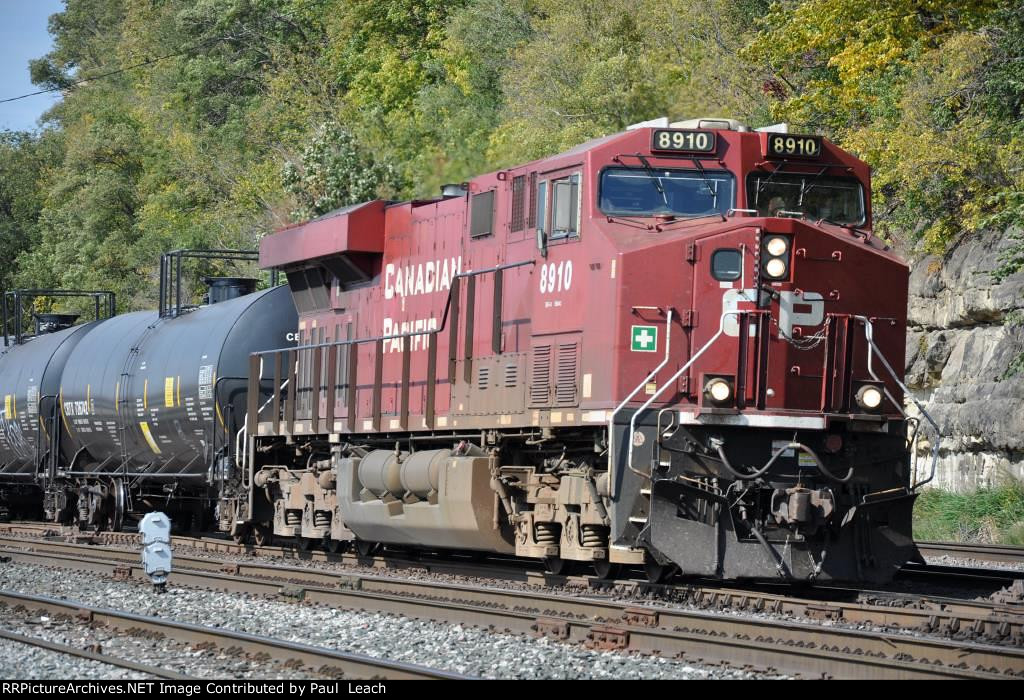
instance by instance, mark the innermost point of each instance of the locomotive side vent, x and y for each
(565, 383)
(511, 376)
(483, 377)
(540, 379)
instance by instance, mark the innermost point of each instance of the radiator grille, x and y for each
(540, 379)
(565, 381)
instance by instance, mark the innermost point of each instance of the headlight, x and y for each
(777, 246)
(775, 268)
(718, 390)
(869, 397)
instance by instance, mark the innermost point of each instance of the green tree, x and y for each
(25, 162)
(335, 172)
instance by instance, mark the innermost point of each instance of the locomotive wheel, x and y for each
(656, 573)
(605, 570)
(557, 565)
(262, 535)
(336, 546)
(241, 534)
(366, 549)
(304, 544)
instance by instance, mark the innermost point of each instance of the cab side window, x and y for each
(565, 206)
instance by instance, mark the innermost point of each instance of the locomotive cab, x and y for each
(774, 439)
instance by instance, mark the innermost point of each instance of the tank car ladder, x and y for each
(120, 410)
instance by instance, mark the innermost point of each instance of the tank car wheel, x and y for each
(557, 566)
(115, 521)
(366, 549)
(605, 570)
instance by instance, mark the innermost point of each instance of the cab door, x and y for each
(724, 282)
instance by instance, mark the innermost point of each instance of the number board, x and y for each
(683, 141)
(793, 146)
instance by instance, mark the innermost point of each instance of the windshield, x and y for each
(660, 192)
(836, 199)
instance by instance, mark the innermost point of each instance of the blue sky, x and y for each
(23, 36)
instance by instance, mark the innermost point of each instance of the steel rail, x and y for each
(154, 671)
(980, 552)
(317, 659)
(801, 648)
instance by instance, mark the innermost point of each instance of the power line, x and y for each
(109, 74)
(143, 64)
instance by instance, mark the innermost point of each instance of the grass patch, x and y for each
(986, 516)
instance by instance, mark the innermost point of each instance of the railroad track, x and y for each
(995, 553)
(509, 568)
(934, 615)
(751, 639)
(318, 660)
(109, 659)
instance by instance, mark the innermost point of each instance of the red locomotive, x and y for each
(671, 347)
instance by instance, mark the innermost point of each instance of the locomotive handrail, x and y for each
(670, 382)
(410, 334)
(611, 420)
(451, 308)
(869, 336)
(242, 436)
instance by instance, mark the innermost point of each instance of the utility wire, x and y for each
(109, 74)
(143, 64)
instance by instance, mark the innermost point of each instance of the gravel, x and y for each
(450, 647)
(623, 591)
(996, 566)
(164, 653)
(26, 662)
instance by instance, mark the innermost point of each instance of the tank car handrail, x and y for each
(869, 333)
(17, 307)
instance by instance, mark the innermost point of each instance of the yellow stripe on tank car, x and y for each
(88, 398)
(63, 415)
(216, 403)
(148, 434)
(179, 392)
(7, 407)
(145, 394)
(117, 399)
(169, 392)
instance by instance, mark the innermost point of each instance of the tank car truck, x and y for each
(677, 347)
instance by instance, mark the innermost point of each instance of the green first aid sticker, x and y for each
(644, 339)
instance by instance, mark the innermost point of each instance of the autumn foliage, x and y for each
(207, 123)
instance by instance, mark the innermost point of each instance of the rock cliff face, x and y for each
(965, 362)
